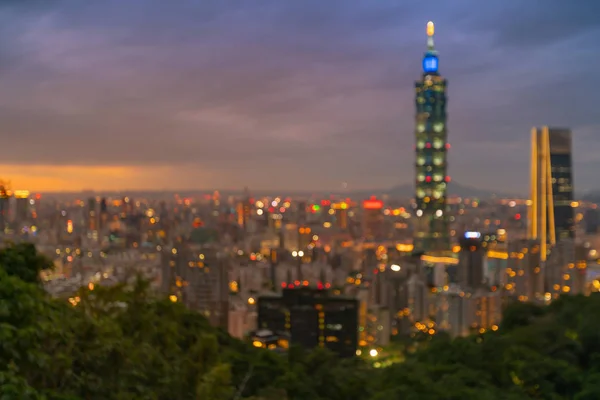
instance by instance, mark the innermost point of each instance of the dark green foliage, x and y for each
(126, 344)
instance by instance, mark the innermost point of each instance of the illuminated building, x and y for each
(198, 276)
(340, 210)
(22, 206)
(4, 207)
(550, 211)
(92, 215)
(431, 230)
(305, 235)
(471, 261)
(103, 213)
(311, 318)
(373, 218)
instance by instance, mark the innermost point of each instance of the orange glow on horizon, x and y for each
(74, 178)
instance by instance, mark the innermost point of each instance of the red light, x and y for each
(271, 209)
(253, 257)
(320, 285)
(281, 209)
(448, 145)
(327, 285)
(448, 179)
(372, 204)
(297, 283)
(375, 271)
(428, 145)
(325, 202)
(283, 284)
(517, 216)
(428, 179)
(291, 286)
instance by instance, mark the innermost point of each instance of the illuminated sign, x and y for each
(472, 235)
(372, 204)
(430, 64)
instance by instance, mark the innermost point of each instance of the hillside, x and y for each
(151, 348)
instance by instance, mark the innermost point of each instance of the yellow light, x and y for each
(443, 260)
(251, 301)
(21, 194)
(494, 327)
(257, 343)
(91, 286)
(497, 254)
(173, 298)
(430, 28)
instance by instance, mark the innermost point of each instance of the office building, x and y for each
(198, 276)
(22, 212)
(471, 262)
(92, 215)
(431, 229)
(4, 207)
(551, 216)
(373, 219)
(311, 318)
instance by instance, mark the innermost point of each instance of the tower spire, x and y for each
(430, 32)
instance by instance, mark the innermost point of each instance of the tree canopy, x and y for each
(125, 343)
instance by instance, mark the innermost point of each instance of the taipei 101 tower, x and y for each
(431, 232)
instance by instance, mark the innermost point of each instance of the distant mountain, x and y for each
(406, 190)
(592, 196)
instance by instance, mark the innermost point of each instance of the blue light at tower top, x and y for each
(430, 64)
(430, 61)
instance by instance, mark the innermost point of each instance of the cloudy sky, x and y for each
(291, 94)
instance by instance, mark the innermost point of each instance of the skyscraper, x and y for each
(431, 230)
(373, 219)
(550, 212)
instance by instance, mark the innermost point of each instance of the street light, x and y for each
(300, 253)
(373, 353)
(395, 267)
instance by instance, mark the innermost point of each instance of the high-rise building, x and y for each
(4, 207)
(471, 262)
(312, 318)
(198, 276)
(431, 230)
(373, 218)
(22, 212)
(551, 216)
(92, 216)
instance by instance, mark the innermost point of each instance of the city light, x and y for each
(373, 352)
(395, 267)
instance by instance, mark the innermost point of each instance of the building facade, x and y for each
(551, 217)
(431, 230)
(311, 318)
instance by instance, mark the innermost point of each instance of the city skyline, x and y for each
(263, 94)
